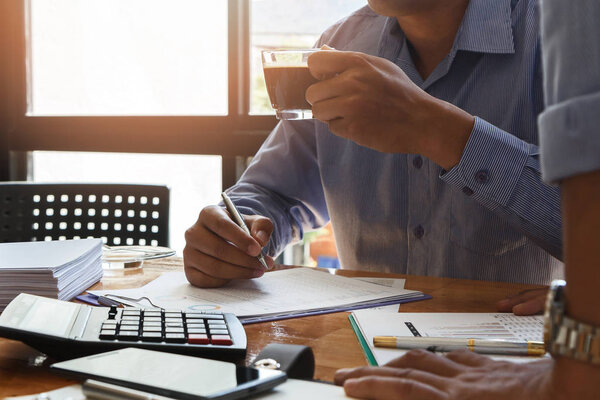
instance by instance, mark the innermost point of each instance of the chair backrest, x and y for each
(119, 214)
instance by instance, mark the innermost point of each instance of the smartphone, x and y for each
(172, 375)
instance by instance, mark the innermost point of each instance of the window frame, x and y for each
(236, 134)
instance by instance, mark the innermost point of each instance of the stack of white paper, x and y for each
(57, 269)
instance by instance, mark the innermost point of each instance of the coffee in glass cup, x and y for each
(287, 77)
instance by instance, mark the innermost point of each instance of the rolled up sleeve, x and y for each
(570, 125)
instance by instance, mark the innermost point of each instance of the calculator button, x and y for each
(215, 317)
(224, 340)
(153, 314)
(108, 334)
(219, 332)
(198, 339)
(131, 312)
(152, 328)
(130, 318)
(130, 322)
(175, 337)
(129, 328)
(128, 335)
(152, 323)
(151, 337)
(194, 325)
(196, 330)
(174, 325)
(109, 325)
(216, 324)
(172, 314)
(195, 315)
(174, 330)
(174, 320)
(152, 319)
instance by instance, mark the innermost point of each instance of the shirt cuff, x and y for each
(490, 166)
(570, 138)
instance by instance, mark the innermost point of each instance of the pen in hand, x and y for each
(235, 214)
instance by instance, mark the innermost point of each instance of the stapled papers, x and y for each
(277, 295)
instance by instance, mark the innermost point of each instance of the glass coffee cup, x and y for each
(287, 77)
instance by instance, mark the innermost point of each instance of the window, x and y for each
(132, 57)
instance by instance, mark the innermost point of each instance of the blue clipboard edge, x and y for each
(248, 321)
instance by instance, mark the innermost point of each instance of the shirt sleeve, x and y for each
(502, 172)
(283, 183)
(570, 125)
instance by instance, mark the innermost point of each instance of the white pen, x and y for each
(484, 346)
(240, 221)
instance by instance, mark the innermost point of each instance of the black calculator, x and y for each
(67, 330)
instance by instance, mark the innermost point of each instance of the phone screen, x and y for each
(172, 375)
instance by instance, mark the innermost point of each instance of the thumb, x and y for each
(261, 228)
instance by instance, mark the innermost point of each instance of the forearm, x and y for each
(581, 215)
(502, 172)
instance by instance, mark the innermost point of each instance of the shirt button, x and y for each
(482, 176)
(419, 231)
(418, 162)
(467, 191)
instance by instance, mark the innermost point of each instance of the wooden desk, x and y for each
(24, 370)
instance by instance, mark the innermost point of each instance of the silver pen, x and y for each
(484, 346)
(240, 221)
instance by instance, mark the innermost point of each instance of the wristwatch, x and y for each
(565, 336)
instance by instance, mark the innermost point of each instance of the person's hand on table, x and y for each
(372, 102)
(527, 302)
(218, 250)
(460, 375)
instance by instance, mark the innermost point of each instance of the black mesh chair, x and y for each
(119, 214)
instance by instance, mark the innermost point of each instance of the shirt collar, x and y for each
(486, 28)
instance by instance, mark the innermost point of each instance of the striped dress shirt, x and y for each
(490, 217)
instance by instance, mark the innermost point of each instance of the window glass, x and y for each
(288, 24)
(128, 57)
(194, 180)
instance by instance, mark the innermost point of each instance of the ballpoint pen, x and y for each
(484, 346)
(235, 214)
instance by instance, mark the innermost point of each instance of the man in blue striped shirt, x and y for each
(424, 153)
(571, 155)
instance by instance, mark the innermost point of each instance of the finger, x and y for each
(339, 126)
(261, 228)
(384, 388)
(331, 109)
(468, 358)
(323, 64)
(199, 239)
(352, 373)
(531, 307)
(507, 304)
(424, 360)
(218, 221)
(328, 89)
(200, 279)
(218, 268)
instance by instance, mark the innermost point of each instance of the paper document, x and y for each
(452, 325)
(276, 295)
